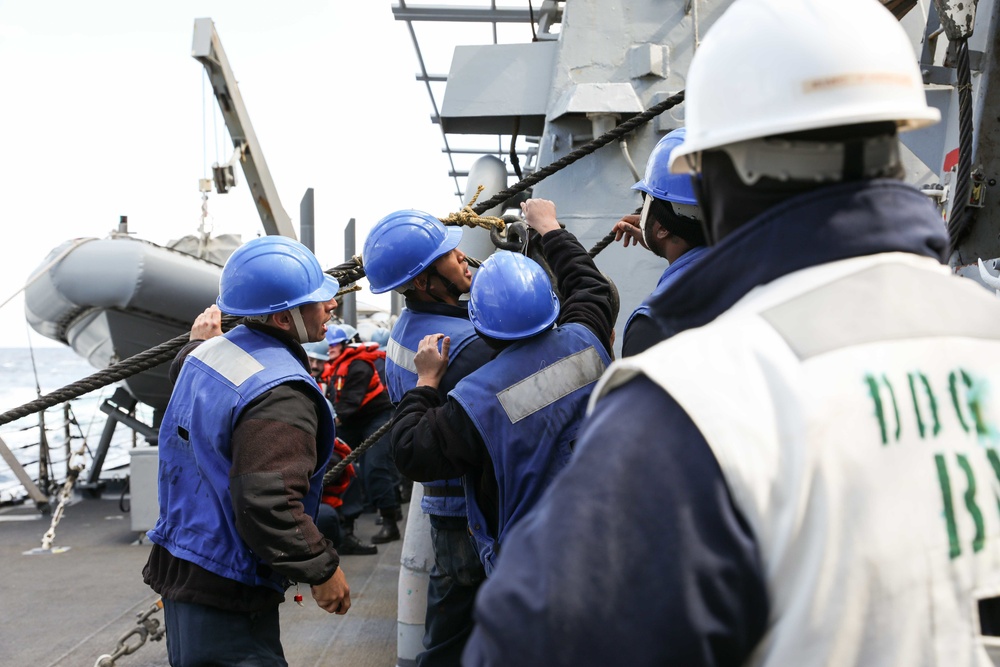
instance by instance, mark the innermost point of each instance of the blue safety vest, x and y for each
(217, 381)
(443, 497)
(676, 269)
(527, 405)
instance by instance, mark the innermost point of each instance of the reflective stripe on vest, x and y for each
(216, 383)
(401, 376)
(528, 420)
(541, 389)
(401, 356)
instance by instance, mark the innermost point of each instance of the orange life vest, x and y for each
(335, 372)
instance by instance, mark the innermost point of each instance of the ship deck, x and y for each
(68, 609)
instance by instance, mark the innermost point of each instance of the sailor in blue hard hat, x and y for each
(243, 446)
(509, 427)
(670, 226)
(413, 253)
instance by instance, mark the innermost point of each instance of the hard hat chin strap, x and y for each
(815, 161)
(451, 287)
(644, 226)
(300, 326)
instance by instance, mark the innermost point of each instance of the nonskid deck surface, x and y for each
(67, 609)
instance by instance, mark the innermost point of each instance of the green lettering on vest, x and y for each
(933, 402)
(954, 550)
(975, 407)
(895, 406)
(953, 388)
(970, 503)
(877, 400)
(916, 405)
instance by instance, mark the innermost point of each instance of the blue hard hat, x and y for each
(512, 297)
(402, 245)
(658, 181)
(380, 336)
(349, 331)
(334, 335)
(319, 350)
(270, 274)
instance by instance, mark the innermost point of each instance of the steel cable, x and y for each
(960, 220)
(583, 151)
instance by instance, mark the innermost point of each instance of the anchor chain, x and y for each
(146, 628)
(64, 495)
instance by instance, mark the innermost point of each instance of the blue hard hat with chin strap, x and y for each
(402, 245)
(658, 181)
(512, 297)
(270, 274)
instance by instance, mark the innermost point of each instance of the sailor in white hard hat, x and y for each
(804, 475)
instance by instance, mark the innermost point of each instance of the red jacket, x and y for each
(332, 492)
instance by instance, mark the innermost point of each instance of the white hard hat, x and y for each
(770, 67)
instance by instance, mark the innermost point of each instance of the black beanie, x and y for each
(688, 229)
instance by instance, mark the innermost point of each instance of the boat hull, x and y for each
(112, 298)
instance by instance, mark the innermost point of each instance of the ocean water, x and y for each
(55, 368)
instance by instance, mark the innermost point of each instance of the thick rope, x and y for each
(333, 473)
(346, 273)
(125, 368)
(603, 140)
(960, 221)
(602, 244)
(349, 272)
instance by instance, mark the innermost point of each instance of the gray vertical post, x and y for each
(350, 301)
(307, 221)
(396, 303)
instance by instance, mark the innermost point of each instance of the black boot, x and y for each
(399, 516)
(350, 545)
(389, 531)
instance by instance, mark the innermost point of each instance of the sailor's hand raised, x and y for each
(431, 363)
(540, 214)
(627, 231)
(208, 324)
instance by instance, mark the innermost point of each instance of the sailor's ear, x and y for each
(420, 282)
(281, 320)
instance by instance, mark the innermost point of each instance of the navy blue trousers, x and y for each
(203, 636)
(376, 468)
(451, 592)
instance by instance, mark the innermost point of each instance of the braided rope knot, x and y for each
(469, 218)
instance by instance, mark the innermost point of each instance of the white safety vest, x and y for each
(854, 410)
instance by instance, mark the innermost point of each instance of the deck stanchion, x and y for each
(415, 562)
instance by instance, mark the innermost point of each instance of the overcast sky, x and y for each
(103, 115)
